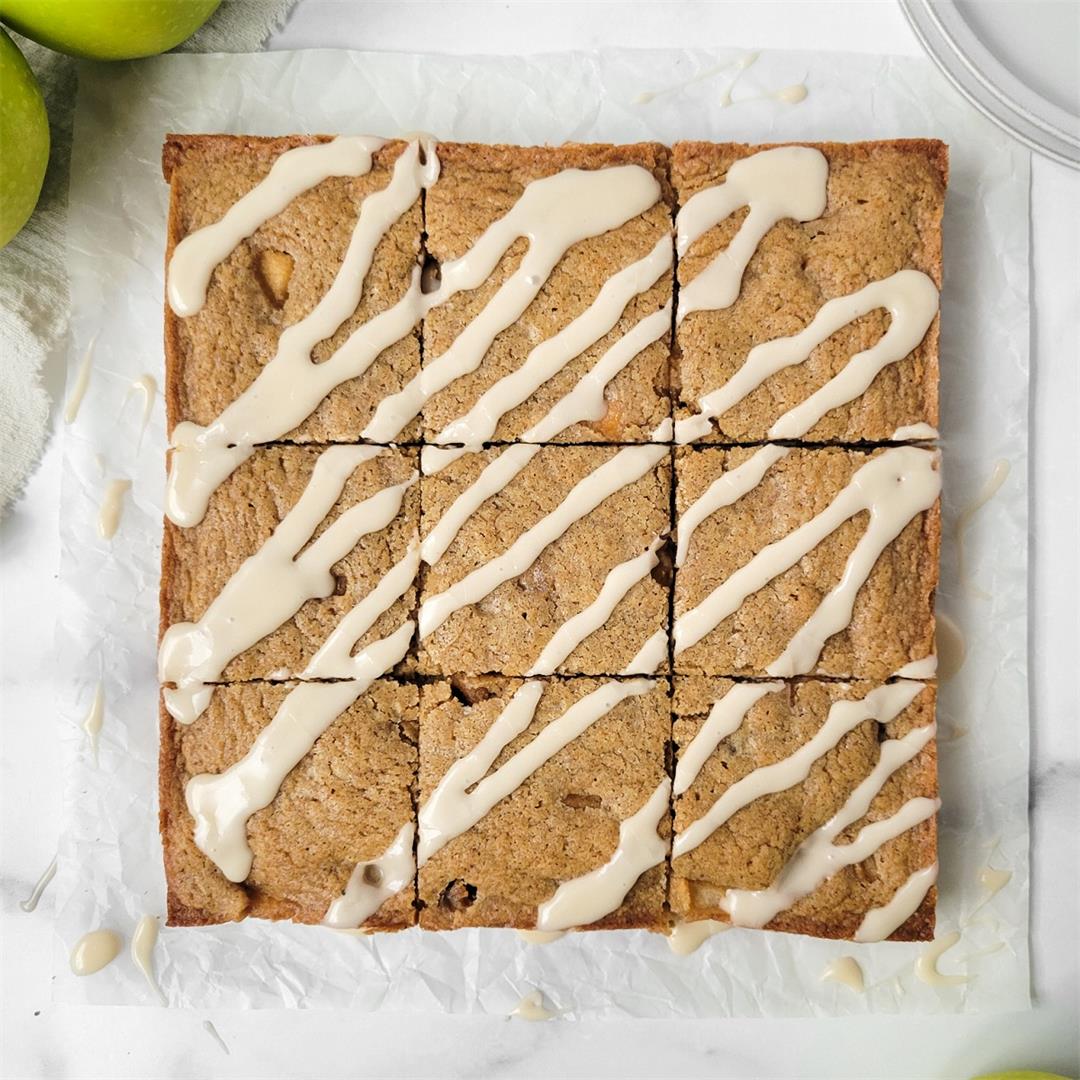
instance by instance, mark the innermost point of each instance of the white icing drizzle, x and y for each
(221, 804)
(687, 937)
(878, 923)
(893, 486)
(42, 883)
(112, 508)
(846, 970)
(553, 213)
(78, 387)
(95, 717)
(94, 951)
(787, 181)
(374, 882)
(146, 387)
(650, 656)
(737, 64)
(992, 881)
(553, 354)
(271, 585)
(627, 466)
(532, 1007)
(585, 899)
(882, 704)
(540, 937)
(818, 857)
(289, 388)
(294, 172)
(791, 95)
(453, 808)
(214, 1034)
(926, 967)
(926, 668)
(619, 581)
(142, 952)
(911, 299)
(724, 719)
(745, 61)
(915, 432)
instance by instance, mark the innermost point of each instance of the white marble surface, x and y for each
(41, 1040)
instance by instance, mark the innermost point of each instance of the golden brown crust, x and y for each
(884, 209)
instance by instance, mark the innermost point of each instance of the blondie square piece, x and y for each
(769, 597)
(517, 619)
(343, 804)
(755, 838)
(562, 822)
(883, 215)
(276, 277)
(477, 186)
(277, 484)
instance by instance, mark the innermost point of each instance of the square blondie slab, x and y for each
(343, 804)
(892, 614)
(883, 215)
(561, 822)
(241, 518)
(477, 186)
(508, 628)
(276, 277)
(751, 846)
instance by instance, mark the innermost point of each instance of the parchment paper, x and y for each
(110, 870)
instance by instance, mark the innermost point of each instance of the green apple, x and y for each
(24, 140)
(107, 29)
(1020, 1074)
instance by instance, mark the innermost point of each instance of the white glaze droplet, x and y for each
(112, 508)
(687, 937)
(214, 1034)
(950, 646)
(540, 937)
(142, 952)
(879, 923)
(42, 883)
(531, 1007)
(146, 387)
(94, 951)
(372, 883)
(586, 899)
(926, 967)
(846, 970)
(95, 718)
(78, 387)
(294, 172)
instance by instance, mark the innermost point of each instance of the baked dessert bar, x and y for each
(829, 281)
(276, 277)
(774, 780)
(343, 805)
(605, 284)
(812, 561)
(589, 510)
(441, 683)
(563, 821)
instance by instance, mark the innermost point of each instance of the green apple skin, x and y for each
(1020, 1074)
(24, 139)
(107, 29)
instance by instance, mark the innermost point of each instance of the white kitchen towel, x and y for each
(33, 278)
